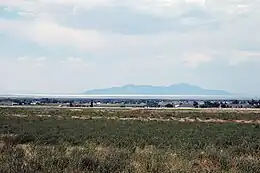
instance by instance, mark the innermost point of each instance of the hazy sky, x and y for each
(76, 45)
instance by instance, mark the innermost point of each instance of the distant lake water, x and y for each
(162, 97)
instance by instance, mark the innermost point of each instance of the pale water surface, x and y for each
(173, 97)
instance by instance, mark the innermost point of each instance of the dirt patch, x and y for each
(161, 119)
(187, 119)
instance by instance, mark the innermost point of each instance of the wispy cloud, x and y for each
(194, 60)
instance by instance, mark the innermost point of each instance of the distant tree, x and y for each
(235, 102)
(203, 106)
(223, 105)
(91, 103)
(215, 105)
(254, 102)
(152, 104)
(195, 104)
(257, 106)
(169, 105)
(207, 104)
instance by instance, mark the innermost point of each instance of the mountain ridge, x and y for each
(175, 89)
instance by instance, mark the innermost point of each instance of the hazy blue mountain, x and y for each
(177, 89)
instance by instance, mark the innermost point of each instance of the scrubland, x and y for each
(126, 141)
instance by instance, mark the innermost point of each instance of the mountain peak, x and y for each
(182, 84)
(176, 89)
(129, 85)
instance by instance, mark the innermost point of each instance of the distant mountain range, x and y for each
(177, 89)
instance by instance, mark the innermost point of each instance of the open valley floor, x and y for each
(45, 139)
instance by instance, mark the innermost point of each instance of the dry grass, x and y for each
(128, 141)
(146, 160)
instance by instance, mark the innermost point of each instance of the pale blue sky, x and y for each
(72, 46)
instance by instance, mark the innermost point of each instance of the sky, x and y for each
(70, 46)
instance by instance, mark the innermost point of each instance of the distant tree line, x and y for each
(150, 103)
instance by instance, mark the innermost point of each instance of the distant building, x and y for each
(36, 103)
(164, 104)
(141, 105)
(246, 105)
(64, 105)
(185, 105)
(8, 103)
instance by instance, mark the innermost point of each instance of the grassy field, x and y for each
(225, 114)
(51, 140)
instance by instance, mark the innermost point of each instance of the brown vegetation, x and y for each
(63, 142)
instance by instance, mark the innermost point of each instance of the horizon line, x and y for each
(132, 96)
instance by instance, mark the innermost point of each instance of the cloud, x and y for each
(73, 60)
(244, 56)
(74, 63)
(32, 62)
(197, 2)
(41, 59)
(194, 60)
(163, 8)
(134, 41)
(23, 59)
(48, 33)
(7, 9)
